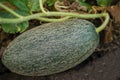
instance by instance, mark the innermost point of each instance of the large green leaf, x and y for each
(26, 5)
(23, 7)
(14, 28)
(104, 2)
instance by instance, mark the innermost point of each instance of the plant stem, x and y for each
(11, 11)
(99, 29)
(36, 16)
(68, 15)
(54, 20)
(41, 6)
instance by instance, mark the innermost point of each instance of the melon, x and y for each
(51, 48)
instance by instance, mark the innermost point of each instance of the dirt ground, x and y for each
(103, 64)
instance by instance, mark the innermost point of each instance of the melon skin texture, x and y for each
(51, 48)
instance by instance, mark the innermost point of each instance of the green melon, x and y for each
(51, 48)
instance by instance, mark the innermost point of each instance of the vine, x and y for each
(44, 14)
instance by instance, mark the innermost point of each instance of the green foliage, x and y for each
(50, 2)
(104, 2)
(13, 28)
(24, 8)
(99, 2)
(83, 3)
(33, 5)
(27, 6)
(1, 0)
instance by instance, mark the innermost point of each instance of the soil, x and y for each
(103, 64)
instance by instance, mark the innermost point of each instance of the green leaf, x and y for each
(33, 5)
(50, 2)
(83, 3)
(14, 28)
(24, 7)
(27, 6)
(20, 4)
(104, 2)
(2, 0)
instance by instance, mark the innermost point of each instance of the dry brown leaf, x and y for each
(115, 12)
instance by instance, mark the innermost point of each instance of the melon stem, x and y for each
(104, 24)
